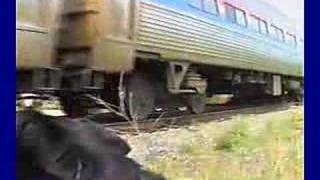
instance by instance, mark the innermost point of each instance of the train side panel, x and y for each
(33, 49)
(178, 31)
(101, 26)
(115, 50)
(34, 36)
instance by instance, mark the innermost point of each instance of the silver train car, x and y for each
(143, 55)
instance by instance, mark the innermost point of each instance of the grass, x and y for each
(268, 147)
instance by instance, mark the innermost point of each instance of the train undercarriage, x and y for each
(153, 86)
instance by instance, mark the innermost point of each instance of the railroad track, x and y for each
(165, 123)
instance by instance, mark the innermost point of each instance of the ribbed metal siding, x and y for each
(166, 29)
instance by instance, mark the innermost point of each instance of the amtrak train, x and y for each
(141, 56)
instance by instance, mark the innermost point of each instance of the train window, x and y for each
(273, 31)
(277, 33)
(281, 35)
(291, 39)
(241, 17)
(259, 25)
(210, 6)
(196, 3)
(231, 13)
(263, 27)
(255, 23)
(236, 15)
(301, 41)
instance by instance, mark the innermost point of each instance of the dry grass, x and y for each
(266, 147)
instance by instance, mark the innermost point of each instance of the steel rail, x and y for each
(165, 123)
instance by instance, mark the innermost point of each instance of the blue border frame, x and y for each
(7, 91)
(312, 90)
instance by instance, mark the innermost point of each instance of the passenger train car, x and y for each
(147, 55)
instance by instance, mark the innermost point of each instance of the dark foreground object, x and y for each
(50, 148)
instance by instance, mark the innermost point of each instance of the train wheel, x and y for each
(139, 99)
(196, 103)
